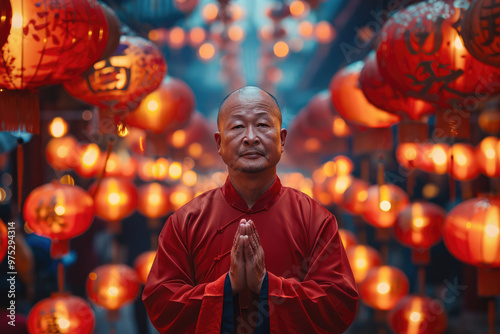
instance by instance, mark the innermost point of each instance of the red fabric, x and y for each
(311, 286)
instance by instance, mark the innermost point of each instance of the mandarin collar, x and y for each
(265, 201)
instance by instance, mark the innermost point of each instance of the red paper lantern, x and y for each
(115, 199)
(418, 315)
(383, 287)
(6, 21)
(355, 196)
(463, 165)
(435, 158)
(150, 169)
(420, 225)
(362, 258)
(154, 200)
(3, 240)
(488, 156)
(383, 96)
(121, 81)
(62, 153)
(479, 31)
(114, 31)
(348, 238)
(112, 286)
(409, 155)
(472, 231)
(383, 204)
(421, 54)
(196, 130)
(166, 109)
(143, 264)
(91, 160)
(61, 313)
(180, 195)
(352, 104)
(337, 186)
(59, 212)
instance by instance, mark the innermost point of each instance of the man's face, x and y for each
(250, 138)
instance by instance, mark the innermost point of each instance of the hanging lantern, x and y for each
(61, 153)
(362, 258)
(355, 196)
(383, 96)
(472, 232)
(337, 186)
(3, 240)
(112, 286)
(435, 158)
(143, 264)
(5, 21)
(383, 287)
(343, 165)
(348, 238)
(422, 54)
(463, 165)
(91, 160)
(196, 130)
(409, 155)
(488, 156)
(166, 109)
(120, 82)
(47, 44)
(154, 200)
(352, 104)
(61, 313)
(150, 169)
(115, 199)
(418, 315)
(420, 225)
(489, 118)
(383, 204)
(180, 195)
(59, 212)
(479, 31)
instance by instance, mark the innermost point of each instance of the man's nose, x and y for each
(251, 136)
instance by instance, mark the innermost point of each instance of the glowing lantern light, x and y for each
(408, 155)
(355, 196)
(383, 204)
(112, 286)
(464, 165)
(281, 49)
(343, 165)
(61, 153)
(435, 158)
(154, 200)
(306, 29)
(115, 199)
(420, 225)
(58, 127)
(59, 212)
(166, 109)
(236, 33)
(189, 178)
(121, 81)
(472, 232)
(488, 156)
(325, 33)
(489, 119)
(177, 38)
(206, 51)
(175, 170)
(3, 240)
(383, 287)
(179, 196)
(143, 264)
(210, 12)
(362, 258)
(91, 160)
(197, 36)
(299, 8)
(337, 187)
(419, 315)
(348, 238)
(61, 313)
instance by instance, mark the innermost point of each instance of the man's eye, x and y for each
(262, 124)
(237, 127)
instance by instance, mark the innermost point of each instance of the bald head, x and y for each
(249, 95)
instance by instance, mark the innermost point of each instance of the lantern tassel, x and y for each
(60, 276)
(20, 171)
(491, 315)
(19, 111)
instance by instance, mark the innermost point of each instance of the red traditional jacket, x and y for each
(311, 288)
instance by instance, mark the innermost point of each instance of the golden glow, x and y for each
(67, 179)
(415, 316)
(439, 157)
(385, 205)
(63, 323)
(159, 168)
(236, 12)
(177, 37)
(210, 12)
(154, 199)
(340, 128)
(325, 33)
(62, 151)
(297, 8)
(122, 129)
(113, 291)
(342, 183)
(344, 165)
(330, 168)
(361, 263)
(179, 138)
(458, 43)
(93, 276)
(490, 240)
(197, 35)
(58, 127)
(418, 222)
(175, 170)
(490, 153)
(461, 159)
(383, 288)
(114, 198)
(491, 230)
(91, 154)
(189, 178)
(468, 225)
(178, 198)
(318, 176)
(59, 210)
(281, 49)
(235, 33)
(152, 105)
(362, 195)
(154, 35)
(410, 153)
(430, 190)
(195, 150)
(3, 194)
(206, 51)
(17, 20)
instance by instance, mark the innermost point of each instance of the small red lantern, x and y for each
(166, 109)
(143, 264)
(472, 232)
(383, 204)
(420, 225)
(409, 155)
(154, 200)
(362, 258)
(488, 156)
(115, 199)
(383, 287)
(112, 286)
(59, 212)
(61, 313)
(435, 158)
(61, 153)
(121, 81)
(91, 160)
(337, 186)
(463, 165)
(180, 195)
(348, 238)
(196, 130)
(352, 104)
(3, 240)
(418, 315)
(355, 196)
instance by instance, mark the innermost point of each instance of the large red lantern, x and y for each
(115, 199)
(154, 200)
(362, 258)
(384, 96)
(472, 231)
(420, 225)
(352, 104)
(91, 160)
(464, 165)
(121, 81)
(383, 204)
(61, 313)
(166, 109)
(112, 286)
(383, 287)
(143, 264)
(479, 32)
(488, 156)
(421, 53)
(418, 315)
(59, 212)
(3, 240)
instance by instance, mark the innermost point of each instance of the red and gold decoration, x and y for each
(115, 199)
(418, 315)
(142, 265)
(154, 200)
(59, 212)
(362, 258)
(383, 287)
(61, 313)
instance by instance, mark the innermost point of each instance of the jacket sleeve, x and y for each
(325, 301)
(173, 300)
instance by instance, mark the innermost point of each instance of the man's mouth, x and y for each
(252, 153)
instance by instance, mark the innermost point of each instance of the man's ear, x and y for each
(217, 140)
(283, 134)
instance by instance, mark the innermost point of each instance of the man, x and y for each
(251, 256)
